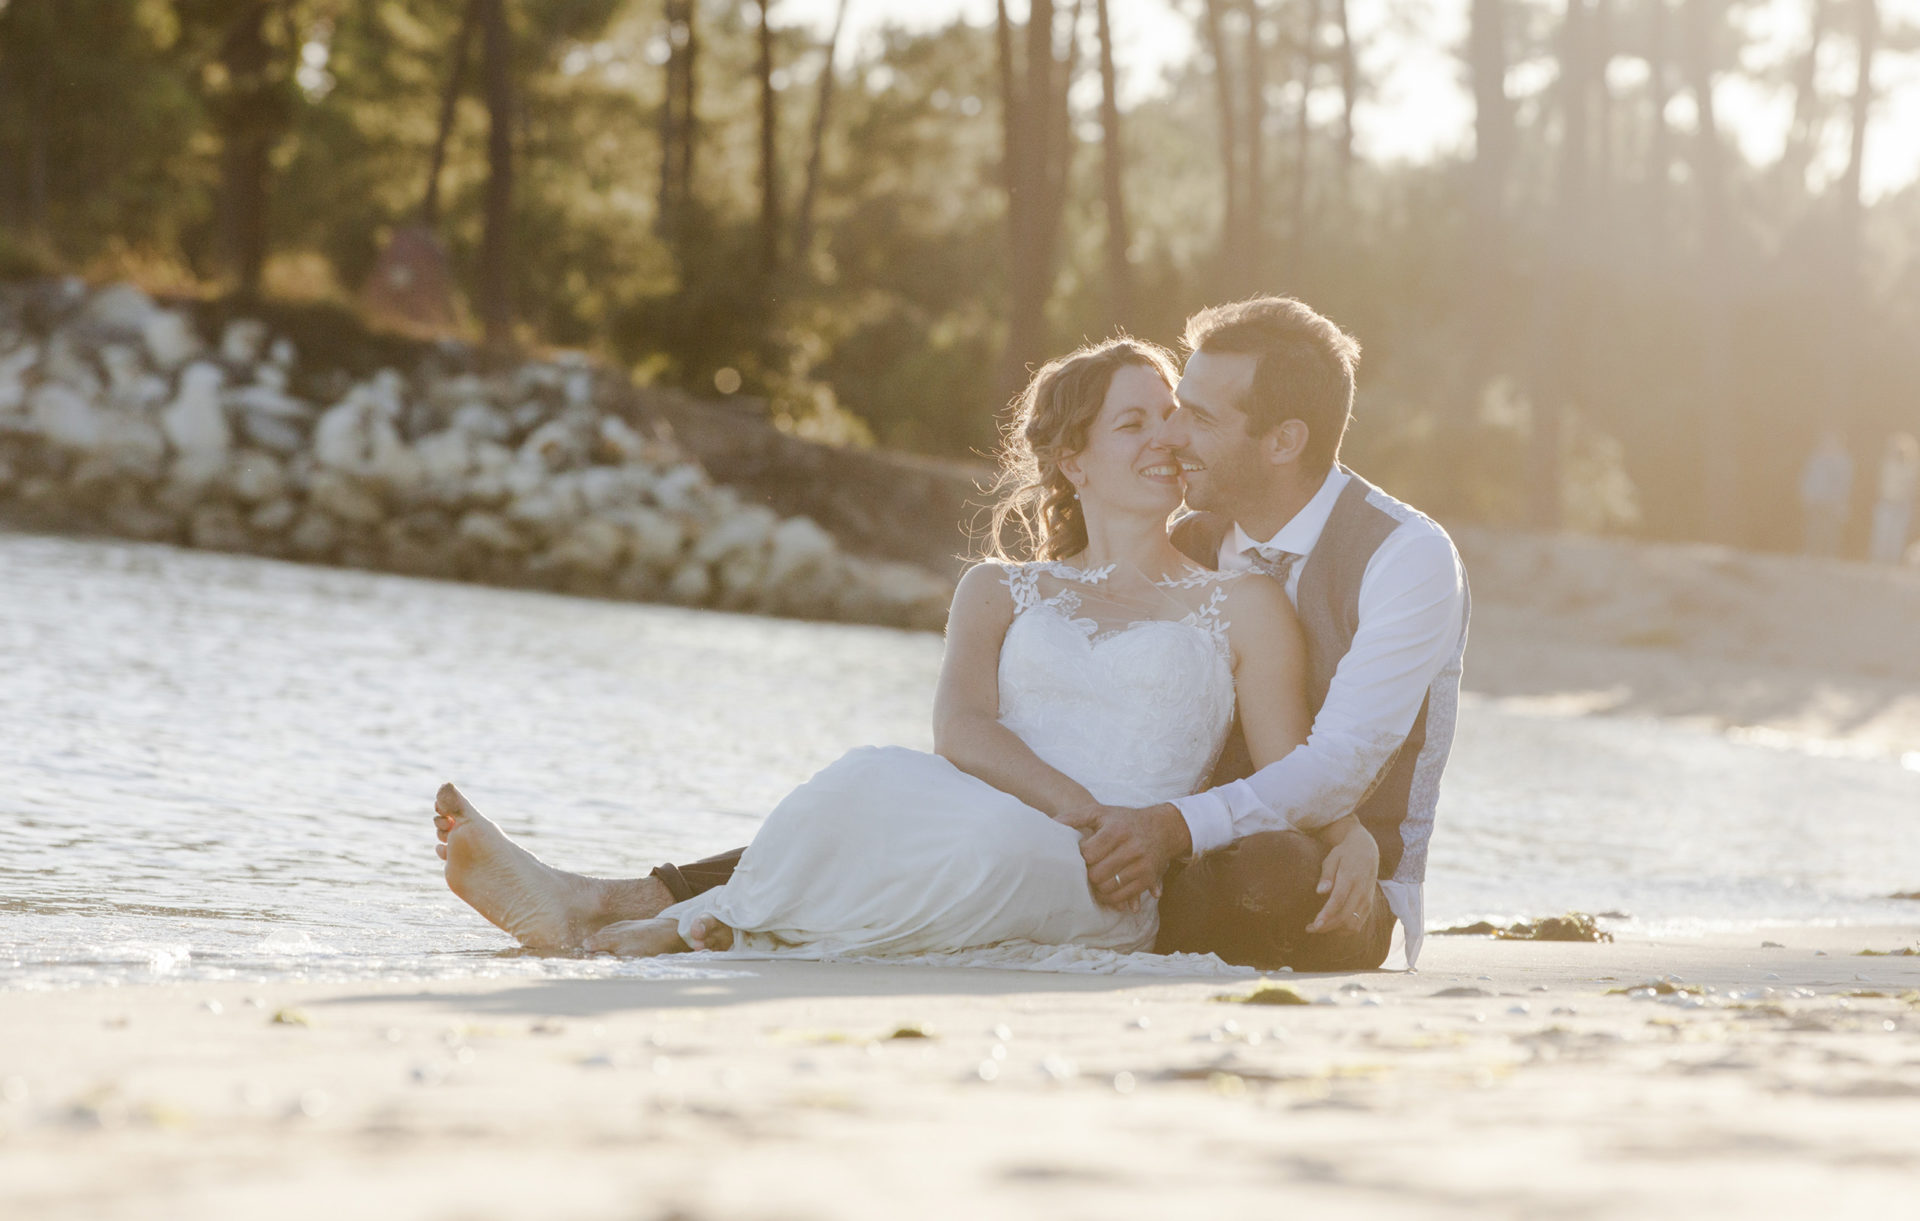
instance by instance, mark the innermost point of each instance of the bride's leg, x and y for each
(543, 907)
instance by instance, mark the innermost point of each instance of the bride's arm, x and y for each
(966, 704)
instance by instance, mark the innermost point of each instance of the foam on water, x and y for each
(222, 767)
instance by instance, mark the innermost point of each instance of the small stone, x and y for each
(242, 340)
(170, 339)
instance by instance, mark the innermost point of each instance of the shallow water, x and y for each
(217, 766)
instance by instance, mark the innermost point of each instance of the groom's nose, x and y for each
(1172, 433)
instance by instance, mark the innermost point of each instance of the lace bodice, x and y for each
(1130, 693)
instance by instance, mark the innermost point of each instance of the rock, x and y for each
(746, 531)
(557, 445)
(678, 490)
(490, 531)
(618, 442)
(217, 527)
(13, 367)
(653, 538)
(256, 477)
(591, 547)
(194, 422)
(478, 419)
(283, 354)
(272, 432)
(345, 497)
(356, 434)
(273, 517)
(64, 417)
(132, 445)
(798, 547)
(243, 341)
(690, 585)
(445, 460)
(120, 309)
(170, 339)
(315, 535)
(264, 398)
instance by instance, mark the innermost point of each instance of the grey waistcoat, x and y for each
(1398, 809)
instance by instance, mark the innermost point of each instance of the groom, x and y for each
(1263, 868)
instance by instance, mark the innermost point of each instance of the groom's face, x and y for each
(1219, 461)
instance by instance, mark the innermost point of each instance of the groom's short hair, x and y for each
(1303, 370)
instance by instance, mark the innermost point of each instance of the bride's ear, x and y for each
(1070, 467)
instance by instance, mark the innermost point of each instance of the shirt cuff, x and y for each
(1209, 822)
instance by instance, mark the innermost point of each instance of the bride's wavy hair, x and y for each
(1034, 501)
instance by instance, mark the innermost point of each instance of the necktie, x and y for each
(1274, 562)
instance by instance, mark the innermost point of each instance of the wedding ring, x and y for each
(1116, 880)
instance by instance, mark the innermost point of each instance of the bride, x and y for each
(1104, 672)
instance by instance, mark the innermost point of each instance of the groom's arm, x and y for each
(1411, 602)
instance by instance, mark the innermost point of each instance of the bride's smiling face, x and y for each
(1124, 466)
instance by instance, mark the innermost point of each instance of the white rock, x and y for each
(170, 339)
(315, 534)
(242, 341)
(273, 433)
(132, 445)
(477, 419)
(269, 399)
(256, 477)
(121, 308)
(653, 537)
(345, 498)
(217, 527)
(273, 517)
(691, 585)
(747, 530)
(797, 548)
(64, 417)
(194, 422)
(356, 433)
(558, 445)
(13, 365)
(678, 490)
(283, 354)
(590, 546)
(491, 531)
(446, 458)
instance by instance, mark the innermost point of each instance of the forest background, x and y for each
(1599, 311)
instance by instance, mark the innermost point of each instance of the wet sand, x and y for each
(1502, 1079)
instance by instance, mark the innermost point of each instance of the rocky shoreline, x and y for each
(123, 415)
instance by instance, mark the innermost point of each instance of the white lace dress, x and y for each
(892, 852)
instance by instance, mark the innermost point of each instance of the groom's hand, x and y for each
(1348, 879)
(1127, 850)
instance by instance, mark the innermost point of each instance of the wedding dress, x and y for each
(1125, 685)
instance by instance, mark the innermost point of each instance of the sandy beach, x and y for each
(1503, 1078)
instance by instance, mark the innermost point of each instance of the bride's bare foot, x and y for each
(543, 907)
(637, 939)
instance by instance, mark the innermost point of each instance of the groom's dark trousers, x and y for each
(1249, 902)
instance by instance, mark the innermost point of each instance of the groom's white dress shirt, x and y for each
(1412, 597)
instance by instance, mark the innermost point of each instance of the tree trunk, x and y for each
(1486, 261)
(1113, 181)
(803, 219)
(1232, 252)
(1719, 425)
(39, 119)
(679, 128)
(1560, 298)
(1804, 133)
(251, 121)
(1659, 172)
(1038, 153)
(1303, 139)
(1255, 214)
(496, 250)
(1349, 91)
(1849, 307)
(449, 104)
(769, 154)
